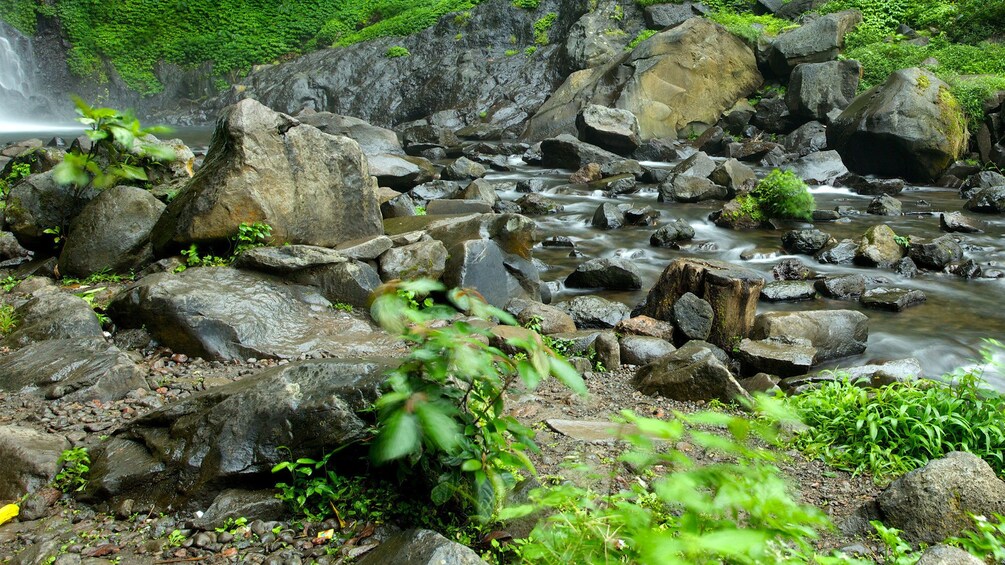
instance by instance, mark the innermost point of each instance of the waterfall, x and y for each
(24, 104)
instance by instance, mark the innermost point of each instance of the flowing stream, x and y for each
(24, 105)
(944, 333)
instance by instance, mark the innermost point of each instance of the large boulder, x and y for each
(30, 460)
(568, 152)
(834, 333)
(911, 126)
(690, 73)
(990, 200)
(595, 312)
(731, 291)
(589, 44)
(879, 247)
(111, 233)
(38, 203)
(263, 166)
(373, 140)
(223, 313)
(815, 42)
(235, 433)
(693, 372)
(51, 314)
(613, 129)
(817, 89)
(420, 547)
(607, 273)
(935, 502)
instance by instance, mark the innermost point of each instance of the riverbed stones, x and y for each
(692, 318)
(547, 318)
(840, 253)
(642, 350)
(815, 42)
(422, 259)
(607, 217)
(224, 314)
(734, 175)
(111, 233)
(30, 460)
(935, 254)
(835, 333)
(595, 312)
(934, 502)
(892, 299)
(479, 264)
(607, 273)
(687, 188)
(731, 291)
(311, 187)
(956, 222)
(879, 247)
(420, 547)
(776, 357)
(806, 242)
(52, 314)
(80, 369)
(671, 234)
(646, 326)
(841, 287)
(988, 201)
(613, 129)
(536, 204)
(885, 205)
(820, 167)
(807, 138)
(909, 127)
(235, 433)
(287, 259)
(788, 291)
(692, 372)
(463, 169)
(689, 73)
(567, 152)
(348, 282)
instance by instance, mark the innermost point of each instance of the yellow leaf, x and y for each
(8, 512)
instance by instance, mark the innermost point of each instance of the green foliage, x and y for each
(739, 510)
(22, 14)
(530, 50)
(396, 51)
(353, 22)
(193, 258)
(782, 194)
(120, 150)
(897, 428)
(987, 539)
(527, 4)
(642, 36)
(18, 171)
(75, 465)
(511, 52)
(175, 538)
(8, 283)
(750, 27)
(103, 276)
(542, 26)
(8, 321)
(232, 525)
(89, 296)
(342, 307)
(444, 407)
(420, 210)
(248, 236)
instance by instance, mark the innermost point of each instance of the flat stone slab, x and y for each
(893, 299)
(788, 291)
(591, 430)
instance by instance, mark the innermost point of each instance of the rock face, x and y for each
(835, 333)
(932, 503)
(81, 369)
(815, 42)
(693, 372)
(690, 73)
(262, 166)
(731, 291)
(111, 233)
(910, 127)
(236, 433)
(223, 313)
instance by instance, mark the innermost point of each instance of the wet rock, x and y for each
(814, 42)
(52, 314)
(788, 291)
(463, 169)
(420, 137)
(734, 175)
(567, 152)
(479, 264)
(947, 555)
(672, 234)
(698, 165)
(792, 270)
(372, 140)
(642, 350)
(772, 116)
(686, 188)
(878, 247)
(38, 203)
(751, 151)
(480, 190)
(692, 318)
(537, 205)
(613, 129)
(902, 128)
(776, 357)
(420, 547)
(646, 326)
(287, 258)
(30, 460)
(644, 216)
(691, 373)
(10, 248)
(735, 216)
(731, 291)
(807, 138)
(841, 287)
(817, 89)
(610, 274)
(885, 205)
(934, 502)
(393, 171)
(840, 253)
(659, 149)
(662, 16)
(595, 312)
(623, 185)
(893, 299)
(548, 319)
(821, 167)
(397, 206)
(835, 333)
(311, 187)
(883, 374)
(349, 282)
(235, 433)
(935, 254)
(252, 505)
(956, 222)
(987, 201)
(453, 207)
(608, 217)
(621, 168)
(906, 268)
(435, 190)
(82, 370)
(586, 174)
(869, 186)
(365, 249)
(513, 233)
(222, 313)
(807, 242)
(423, 259)
(111, 233)
(968, 269)
(980, 181)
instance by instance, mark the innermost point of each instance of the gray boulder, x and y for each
(935, 254)
(909, 127)
(311, 187)
(672, 234)
(956, 222)
(607, 273)
(788, 291)
(567, 152)
(878, 247)
(595, 312)
(550, 319)
(77, 370)
(686, 188)
(690, 373)
(841, 287)
(776, 357)
(664, 15)
(988, 201)
(348, 282)
(225, 314)
(807, 138)
(807, 242)
(463, 169)
(817, 89)
(420, 547)
(697, 165)
(815, 42)
(820, 167)
(589, 44)
(692, 318)
(38, 203)
(893, 299)
(885, 205)
(373, 140)
(234, 434)
(423, 135)
(607, 217)
(423, 259)
(835, 333)
(948, 555)
(734, 175)
(613, 129)
(642, 350)
(30, 460)
(933, 503)
(111, 233)
(52, 314)
(393, 171)
(479, 264)
(840, 253)
(287, 259)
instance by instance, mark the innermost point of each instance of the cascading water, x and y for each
(24, 104)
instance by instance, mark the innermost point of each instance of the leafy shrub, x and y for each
(248, 236)
(782, 194)
(75, 465)
(396, 51)
(7, 319)
(444, 408)
(891, 430)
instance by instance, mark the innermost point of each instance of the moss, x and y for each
(642, 36)
(923, 82)
(542, 26)
(953, 120)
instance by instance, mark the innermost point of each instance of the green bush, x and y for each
(782, 194)
(893, 429)
(750, 27)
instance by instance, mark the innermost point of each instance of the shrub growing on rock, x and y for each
(782, 194)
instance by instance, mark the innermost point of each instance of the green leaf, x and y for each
(564, 372)
(471, 465)
(397, 437)
(437, 425)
